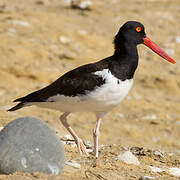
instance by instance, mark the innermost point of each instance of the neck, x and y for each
(126, 49)
(125, 60)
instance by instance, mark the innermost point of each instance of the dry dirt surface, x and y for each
(42, 39)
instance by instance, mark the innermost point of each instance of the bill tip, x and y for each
(172, 61)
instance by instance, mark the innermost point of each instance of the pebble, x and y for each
(82, 32)
(155, 139)
(73, 164)
(18, 22)
(67, 55)
(68, 1)
(174, 171)
(152, 117)
(12, 30)
(85, 4)
(128, 158)
(81, 4)
(64, 40)
(158, 153)
(177, 39)
(156, 169)
(29, 145)
(146, 177)
(67, 139)
(89, 150)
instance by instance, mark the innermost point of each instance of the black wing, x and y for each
(73, 83)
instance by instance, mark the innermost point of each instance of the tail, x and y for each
(18, 106)
(27, 100)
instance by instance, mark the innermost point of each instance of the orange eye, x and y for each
(138, 29)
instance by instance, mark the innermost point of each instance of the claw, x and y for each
(81, 147)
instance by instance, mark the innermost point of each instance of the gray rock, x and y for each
(29, 145)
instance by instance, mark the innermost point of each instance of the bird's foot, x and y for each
(95, 152)
(81, 147)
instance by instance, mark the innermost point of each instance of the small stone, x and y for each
(12, 30)
(82, 32)
(158, 153)
(155, 139)
(18, 22)
(73, 164)
(29, 145)
(81, 4)
(146, 177)
(68, 1)
(67, 55)
(64, 39)
(177, 39)
(174, 171)
(89, 150)
(152, 117)
(128, 158)
(156, 169)
(68, 137)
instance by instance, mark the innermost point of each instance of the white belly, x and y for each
(102, 98)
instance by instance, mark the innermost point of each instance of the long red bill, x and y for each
(157, 49)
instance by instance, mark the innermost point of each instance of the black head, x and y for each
(131, 32)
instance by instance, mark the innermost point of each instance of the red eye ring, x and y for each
(138, 29)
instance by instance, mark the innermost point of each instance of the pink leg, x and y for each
(80, 145)
(99, 116)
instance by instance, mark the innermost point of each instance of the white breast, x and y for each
(113, 91)
(102, 98)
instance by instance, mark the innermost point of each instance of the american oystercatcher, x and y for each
(96, 87)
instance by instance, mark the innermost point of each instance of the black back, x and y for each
(73, 83)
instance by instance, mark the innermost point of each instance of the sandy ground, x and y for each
(34, 53)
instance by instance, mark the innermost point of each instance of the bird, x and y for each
(96, 87)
